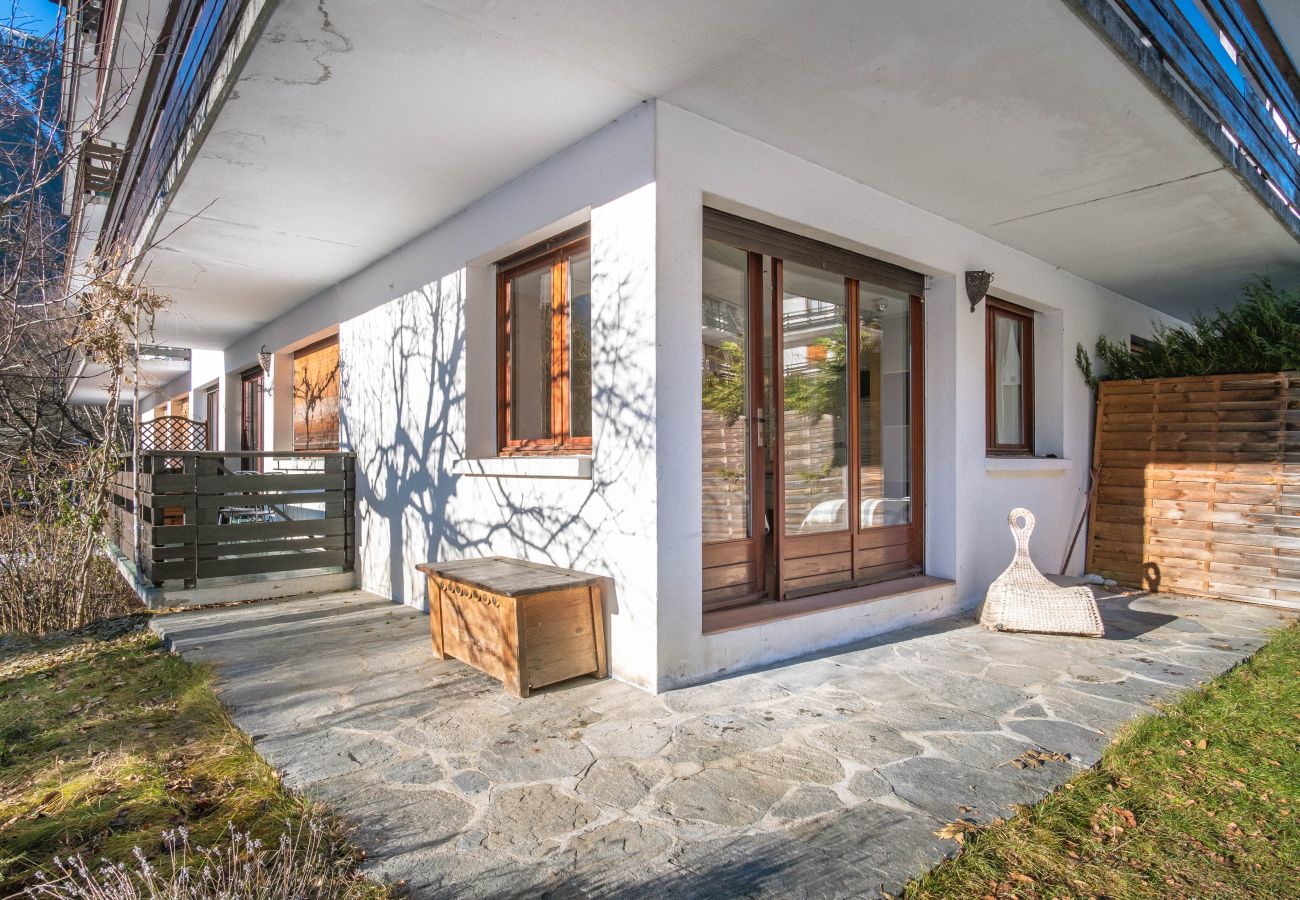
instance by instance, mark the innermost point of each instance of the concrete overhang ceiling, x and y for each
(92, 385)
(351, 130)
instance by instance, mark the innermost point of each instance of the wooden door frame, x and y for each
(778, 425)
(865, 546)
(753, 548)
(861, 543)
(247, 377)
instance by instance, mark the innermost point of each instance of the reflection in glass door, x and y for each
(732, 435)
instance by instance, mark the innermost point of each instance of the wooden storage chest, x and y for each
(526, 623)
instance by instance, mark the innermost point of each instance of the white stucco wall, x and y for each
(417, 351)
(699, 162)
(418, 393)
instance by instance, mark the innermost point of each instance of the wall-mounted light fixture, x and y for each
(264, 360)
(977, 285)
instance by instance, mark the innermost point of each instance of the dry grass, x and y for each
(107, 744)
(1202, 800)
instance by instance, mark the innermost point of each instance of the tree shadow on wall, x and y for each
(404, 383)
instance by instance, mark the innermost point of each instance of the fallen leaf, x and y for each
(956, 831)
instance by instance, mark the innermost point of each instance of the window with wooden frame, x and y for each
(316, 396)
(544, 347)
(1009, 378)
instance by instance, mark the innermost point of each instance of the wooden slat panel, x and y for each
(181, 492)
(1199, 486)
(881, 555)
(801, 545)
(233, 484)
(728, 576)
(729, 553)
(258, 565)
(211, 534)
(886, 536)
(216, 501)
(256, 548)
(822, 564)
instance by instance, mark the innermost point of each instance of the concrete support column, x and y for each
(481, 368)
(231, 399)
(277, 406)
(944, 303)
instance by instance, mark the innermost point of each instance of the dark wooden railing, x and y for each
(201, 516)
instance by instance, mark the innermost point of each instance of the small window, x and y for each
(1009, 378)
(316, 396)
(544, 347)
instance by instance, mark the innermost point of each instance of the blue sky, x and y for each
(34, 16)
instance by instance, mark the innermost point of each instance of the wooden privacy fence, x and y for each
(201, 516)
(1198, 486)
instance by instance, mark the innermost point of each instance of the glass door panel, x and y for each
(884, 407)
(814, 364)
(732, 463)
(811, 423)
(725, 432)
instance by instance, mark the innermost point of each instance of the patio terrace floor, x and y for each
(821, 778)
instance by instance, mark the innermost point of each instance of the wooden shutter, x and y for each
(316, 396)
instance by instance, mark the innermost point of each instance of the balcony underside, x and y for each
(350, 133)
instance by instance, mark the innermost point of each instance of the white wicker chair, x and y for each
(1021, 599)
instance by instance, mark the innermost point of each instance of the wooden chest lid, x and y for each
(509, 577)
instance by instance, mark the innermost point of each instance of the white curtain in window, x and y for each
(1009, 371)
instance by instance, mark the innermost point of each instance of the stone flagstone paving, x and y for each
(822, 778)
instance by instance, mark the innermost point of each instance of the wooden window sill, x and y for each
(717, 621)
(523, 466)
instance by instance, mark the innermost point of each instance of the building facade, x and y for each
(692, 299)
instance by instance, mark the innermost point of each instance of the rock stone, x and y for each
(623, 843)
(867, 743)
(942, 788)
(1082, 744)
(794, 761)
(621, 783)
(720, 735)
(976, 749)
(630, 738)
(730, 797)
(869, 784)
(412, 770)
(806, 801)
(529, 820)
(524, 756)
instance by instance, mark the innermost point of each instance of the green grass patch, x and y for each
(1201, 800)
(106, 744)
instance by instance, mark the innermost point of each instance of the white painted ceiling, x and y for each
(356, 126)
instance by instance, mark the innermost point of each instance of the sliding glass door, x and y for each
(811, 411)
